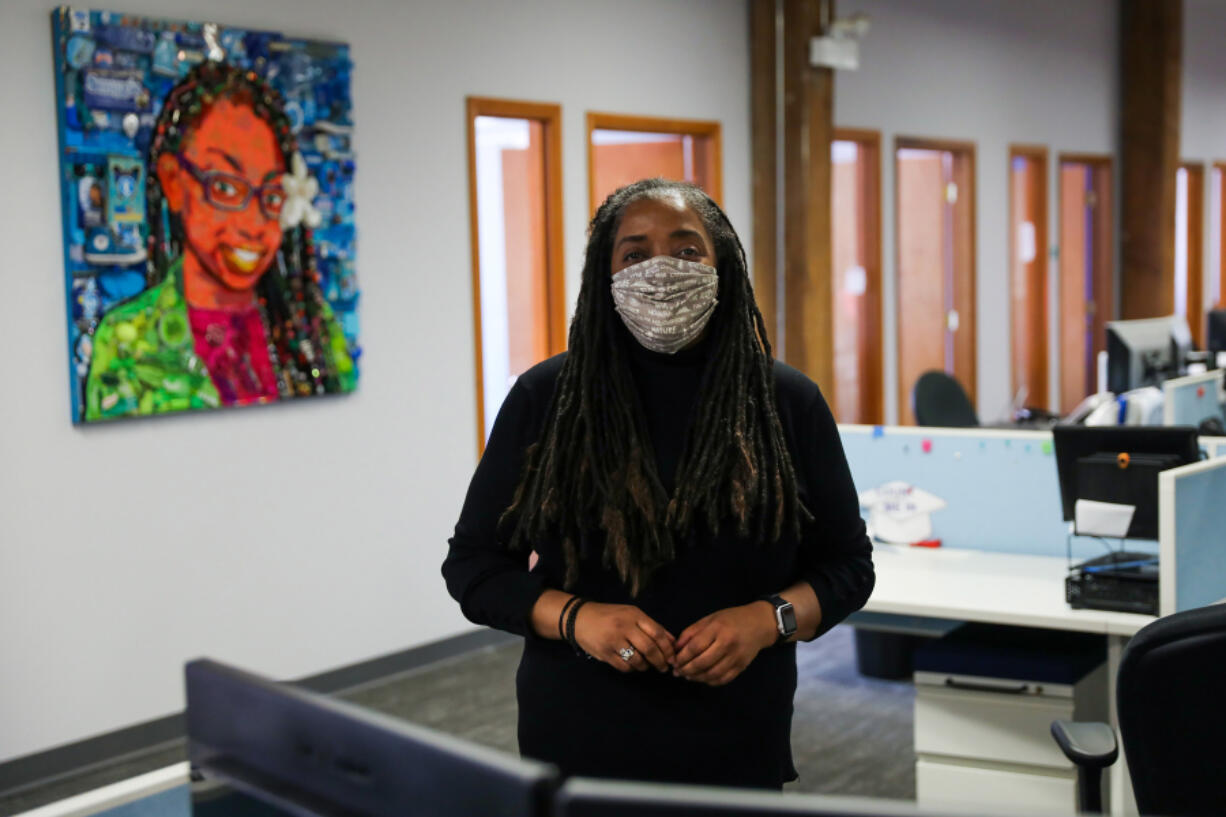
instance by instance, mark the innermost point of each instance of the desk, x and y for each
(1001, 588)
(994, 588)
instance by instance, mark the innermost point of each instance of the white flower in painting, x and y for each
(300, 190)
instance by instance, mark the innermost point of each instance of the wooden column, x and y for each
(808, 124)
(765, 168)
(797, 202)
(1151, 49)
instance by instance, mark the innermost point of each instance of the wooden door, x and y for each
(935, 200)
(1028, 273)
(856, 279)
(1189, 248)
(1217, 236)
(624, 149)
(515, 227)
(1087, 299)
(620, 157)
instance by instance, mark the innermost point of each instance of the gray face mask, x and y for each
(666, 302)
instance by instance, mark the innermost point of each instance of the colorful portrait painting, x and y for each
(207, 187)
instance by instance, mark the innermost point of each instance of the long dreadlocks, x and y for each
(593, 468)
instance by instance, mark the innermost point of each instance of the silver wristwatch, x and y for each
(785, 616)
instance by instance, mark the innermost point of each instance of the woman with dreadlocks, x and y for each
(689, 504)
(233, 313)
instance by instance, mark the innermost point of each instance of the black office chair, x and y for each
(939, 400)
(1169, 696)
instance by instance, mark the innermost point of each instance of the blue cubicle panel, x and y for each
(1189, 400)
(1200, 534)
(1001, 487)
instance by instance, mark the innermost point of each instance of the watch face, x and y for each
(787, 619)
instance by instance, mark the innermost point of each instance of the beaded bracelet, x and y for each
(570, 626)
(562, 617)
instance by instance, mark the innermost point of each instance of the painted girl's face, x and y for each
(225, 186)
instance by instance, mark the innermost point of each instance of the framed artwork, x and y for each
(206, 178)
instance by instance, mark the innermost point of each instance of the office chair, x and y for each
(1212, 427)
(939, 400)
(1172, 719)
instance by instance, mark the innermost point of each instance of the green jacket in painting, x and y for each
(144, 357)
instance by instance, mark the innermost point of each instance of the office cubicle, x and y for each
(1003, 496)
(1189, 401)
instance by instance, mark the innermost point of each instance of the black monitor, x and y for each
(1148, 448)
(1215, 340)
(1146, 352)
(261, 748)
(581, 797)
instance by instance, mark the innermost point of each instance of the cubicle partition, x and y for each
(1003, 496)
(1188, 401)
(1192, 536)
(1001, 486)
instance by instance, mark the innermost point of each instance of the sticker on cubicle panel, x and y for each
(900, 513)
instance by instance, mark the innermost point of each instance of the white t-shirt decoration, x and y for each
(898, 512)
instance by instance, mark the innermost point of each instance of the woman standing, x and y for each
(690, 505)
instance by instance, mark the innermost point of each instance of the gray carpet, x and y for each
(850, 734)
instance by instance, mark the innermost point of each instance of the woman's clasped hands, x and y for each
(713, 650)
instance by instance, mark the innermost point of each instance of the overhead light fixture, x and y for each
(839, 47)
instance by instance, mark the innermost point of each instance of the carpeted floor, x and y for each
(850, 734)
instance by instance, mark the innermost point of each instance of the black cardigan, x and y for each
(590, 719)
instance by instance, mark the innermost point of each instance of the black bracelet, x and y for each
(570, 626)
(562, 617)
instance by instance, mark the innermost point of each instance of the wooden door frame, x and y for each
(1196, 249)
(953, 146)
(550, 117)
(1220, 167)
(1041, 354)
(873, 405)
(712, 129)
(1102, 263)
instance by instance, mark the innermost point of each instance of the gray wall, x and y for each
(999, 72)
(296, 538)
(993, 72)
(1203, 113)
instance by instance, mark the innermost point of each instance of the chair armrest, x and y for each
(1087, 744)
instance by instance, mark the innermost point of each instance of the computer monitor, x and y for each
(261, 748)
(1076, 443)
(1145, 352)
(582, 797)
(1215, 340)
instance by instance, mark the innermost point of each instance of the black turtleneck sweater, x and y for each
(583, 715)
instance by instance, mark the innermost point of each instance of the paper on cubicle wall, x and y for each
(899, 512)
(1093, 518)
